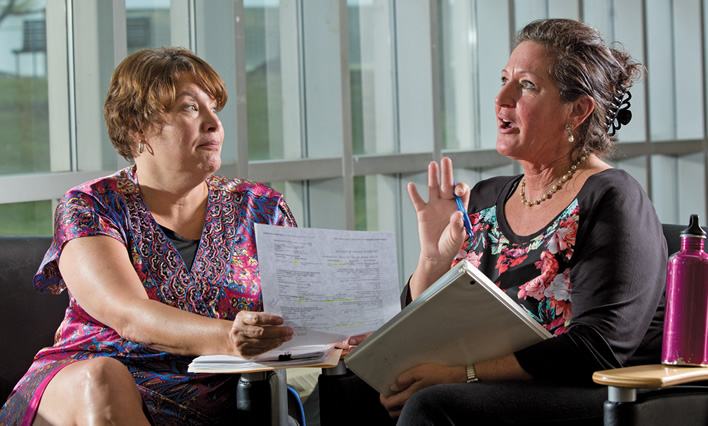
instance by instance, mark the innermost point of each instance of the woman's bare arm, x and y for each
(98, 272)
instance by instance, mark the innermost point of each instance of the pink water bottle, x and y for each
(686, 323)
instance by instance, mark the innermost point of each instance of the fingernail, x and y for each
(353, 342)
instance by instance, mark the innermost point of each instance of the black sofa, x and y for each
(29, 319)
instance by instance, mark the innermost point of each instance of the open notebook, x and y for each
(322, 356)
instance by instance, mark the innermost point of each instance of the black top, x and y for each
(187, 248)
(594, 276)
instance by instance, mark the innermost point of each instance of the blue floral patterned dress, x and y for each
(222, 281)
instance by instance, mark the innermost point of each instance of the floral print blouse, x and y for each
(222, 281)
(594, 276)
(546, 296)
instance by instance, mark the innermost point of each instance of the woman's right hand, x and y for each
(440, 227)
(253, 333)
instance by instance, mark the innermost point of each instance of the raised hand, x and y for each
(440, 227)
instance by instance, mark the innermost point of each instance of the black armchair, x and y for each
(656, 394)
(29, 318)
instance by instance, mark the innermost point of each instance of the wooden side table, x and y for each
(623, 382)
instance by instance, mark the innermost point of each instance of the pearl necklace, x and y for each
(565, 178)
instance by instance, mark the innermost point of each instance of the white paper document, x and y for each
(327, 284)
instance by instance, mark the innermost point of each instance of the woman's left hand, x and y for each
(253, 333)
(417, 378)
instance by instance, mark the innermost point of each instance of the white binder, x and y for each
(463, 318)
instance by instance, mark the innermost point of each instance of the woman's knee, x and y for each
(105, 377)
(98, 387)
(424, 408)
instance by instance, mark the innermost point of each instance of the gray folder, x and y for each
(463, 318)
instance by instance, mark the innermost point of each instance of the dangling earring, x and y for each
(569, 129)
(140, 147)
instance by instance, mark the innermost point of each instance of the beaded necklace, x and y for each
(565, 178)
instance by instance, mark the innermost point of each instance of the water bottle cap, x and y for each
(694, 229)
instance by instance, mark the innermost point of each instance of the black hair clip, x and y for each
(619, 115)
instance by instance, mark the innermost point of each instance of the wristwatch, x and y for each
(471, 375)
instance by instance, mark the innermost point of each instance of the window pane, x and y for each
(94, 55)
(147, 24)
(371, 76)
(618, 22)
(469, 31)
(664, 184)
(691, 187)
(687, 41)
(361, 219)
(294, 194)
(33, 218)
(326, 204)
(377, 204)
(673, 34)
(459, 117)
(322, 77)
(264, 79)
(24, 108)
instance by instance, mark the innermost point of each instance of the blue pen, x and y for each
(460, 207)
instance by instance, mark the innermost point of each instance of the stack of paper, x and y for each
(328, 285)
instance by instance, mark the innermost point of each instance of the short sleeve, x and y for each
(78, 214)
(284, 216)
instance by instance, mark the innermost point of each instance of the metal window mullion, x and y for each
(394, 86)
(301, 77)
(674, 103)
(476, 92)
(241, 90)
(192, 16)
(73, 143)
(512, 42)
(647, 103)
(42, 186)
(347, 149)
(120, 50)
(302, 81)
(435, 77)
(120, 32)
(398, 193)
